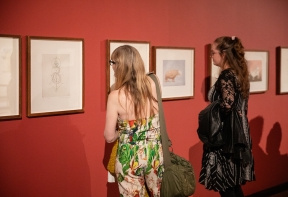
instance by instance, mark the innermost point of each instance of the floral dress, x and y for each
(221, 170)
(139, 158)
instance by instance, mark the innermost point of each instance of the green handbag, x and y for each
(178, 177)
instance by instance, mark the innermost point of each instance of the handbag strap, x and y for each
(166, 142)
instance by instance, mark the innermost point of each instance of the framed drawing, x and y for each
(55, 76)
(142, 46)
(258, 70)
(174, 67)
(282, 70)
(10, 77)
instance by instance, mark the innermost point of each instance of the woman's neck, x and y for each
(224, 67)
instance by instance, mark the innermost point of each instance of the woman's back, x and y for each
(125, 105)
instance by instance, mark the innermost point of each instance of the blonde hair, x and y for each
(130, 77)
(234, 57)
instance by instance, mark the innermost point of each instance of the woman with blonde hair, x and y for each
(132, 118)
(227, 166)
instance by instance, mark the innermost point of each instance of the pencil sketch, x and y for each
(55, 75)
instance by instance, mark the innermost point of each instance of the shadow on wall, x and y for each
(271, 168)
(277, 163)
(44, 159)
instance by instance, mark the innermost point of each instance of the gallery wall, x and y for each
(66, 155)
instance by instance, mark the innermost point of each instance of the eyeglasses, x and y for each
(111, 62)
(212, 53)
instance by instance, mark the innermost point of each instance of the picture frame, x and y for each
(257, 62)
(174, 67)
(55, 76)
(142, 46)
(282, 70)
(10, 77)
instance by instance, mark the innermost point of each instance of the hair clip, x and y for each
(233, 37)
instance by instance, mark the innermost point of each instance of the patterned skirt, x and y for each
(220, 172)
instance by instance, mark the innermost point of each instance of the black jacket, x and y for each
(227, 133)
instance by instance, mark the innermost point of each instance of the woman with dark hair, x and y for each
(132, 111)
(228, 166)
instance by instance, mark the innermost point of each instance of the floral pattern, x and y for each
(139, 157)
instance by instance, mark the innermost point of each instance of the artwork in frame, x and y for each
(55, 76)
(257, 62)
(142, 46)
(174, 67)
(282, 70)
(10, 77)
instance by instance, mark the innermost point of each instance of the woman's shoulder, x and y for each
(113, 95)
(227, 73)
(227, 70)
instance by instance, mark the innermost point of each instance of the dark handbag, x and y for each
(210, 128)
(178, 177)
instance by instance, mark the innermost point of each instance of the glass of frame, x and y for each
(10, 77)
(142, 46)
(282, 70)
(174, 67)
(257, 62)
(55, 76)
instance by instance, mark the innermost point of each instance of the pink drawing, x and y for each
(171, 74)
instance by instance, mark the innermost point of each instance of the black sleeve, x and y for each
(226, 88)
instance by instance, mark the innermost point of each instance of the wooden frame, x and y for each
(282, 70)
(142, 46)
(55, 76)
(10, 77)
(258, 70)
(174, 67)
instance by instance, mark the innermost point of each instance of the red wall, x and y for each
(64, 156)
